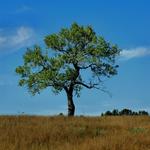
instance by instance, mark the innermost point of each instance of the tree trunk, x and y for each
(71, 106)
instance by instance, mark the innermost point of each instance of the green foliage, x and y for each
(76, 50)
(137, 130)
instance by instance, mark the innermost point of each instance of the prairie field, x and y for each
(74, 133)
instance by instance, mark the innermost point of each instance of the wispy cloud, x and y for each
(135, 53)
(23, 34)
(2, 40)
(23, 9)
(6, 83)
(7, 80)
(14, 39)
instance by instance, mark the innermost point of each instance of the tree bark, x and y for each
(71, 106)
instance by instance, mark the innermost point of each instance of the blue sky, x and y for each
(125, 23)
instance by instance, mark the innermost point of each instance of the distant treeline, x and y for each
(125, 111)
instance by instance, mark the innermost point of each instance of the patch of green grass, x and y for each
(137, 130)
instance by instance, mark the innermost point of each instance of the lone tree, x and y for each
(74, 58)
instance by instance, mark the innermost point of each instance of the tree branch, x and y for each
(90, 86)
(66, 89)
(86, 67)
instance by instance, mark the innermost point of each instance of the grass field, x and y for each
(74, 133)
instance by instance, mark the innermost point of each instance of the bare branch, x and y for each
(86, 67)
(90, 86)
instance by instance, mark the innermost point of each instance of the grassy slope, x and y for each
(78, 133)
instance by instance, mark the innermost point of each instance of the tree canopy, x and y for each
(124, 111)
(68, 56)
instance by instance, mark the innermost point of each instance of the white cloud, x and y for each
(135, 52)
(12, 40)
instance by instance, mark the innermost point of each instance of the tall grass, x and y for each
(74, 133)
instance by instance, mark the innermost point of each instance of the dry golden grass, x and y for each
(77, 133)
